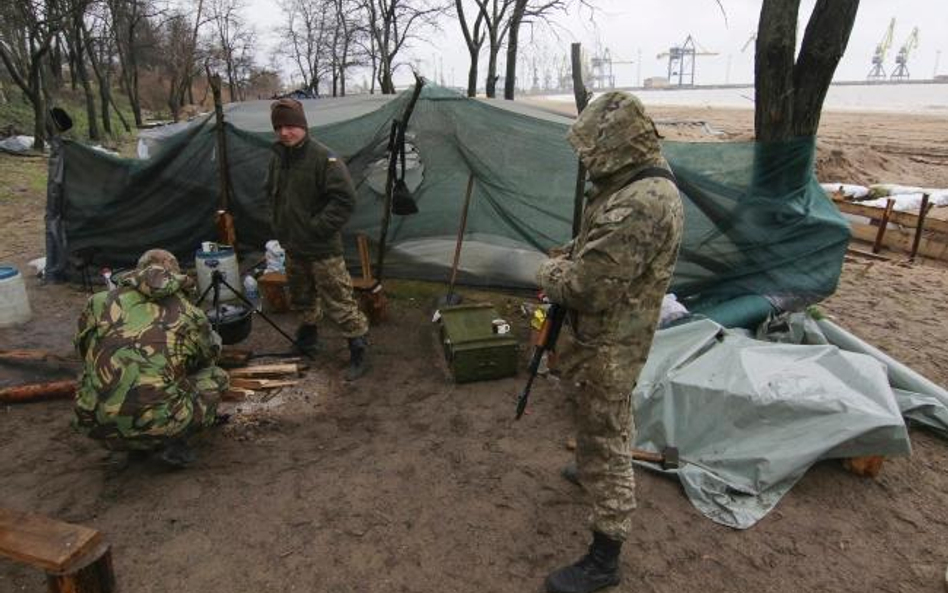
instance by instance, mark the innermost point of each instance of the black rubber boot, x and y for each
(177, 454)
(598, 569)
(571, 473)
(358, 358)
(307, 339)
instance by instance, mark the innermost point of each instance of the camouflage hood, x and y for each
(614, 134)
(154, 282)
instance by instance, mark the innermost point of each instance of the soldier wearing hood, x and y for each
(612, 278)
(148, 381)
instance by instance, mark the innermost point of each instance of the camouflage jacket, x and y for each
(139, 345)
(310, 197)
(617, 269)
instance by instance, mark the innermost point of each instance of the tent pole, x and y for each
(226, 233)
(582, 99)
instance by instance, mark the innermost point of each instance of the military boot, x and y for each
(177, 454)
(307, 339)
(598, 569)
(358, 363)
(571, 473)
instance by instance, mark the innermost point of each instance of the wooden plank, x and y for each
(242, 383)
(907, 219)
(932, 245)
(43, 542)
(266, 370)
(35, 356)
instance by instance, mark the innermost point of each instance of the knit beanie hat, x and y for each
(287, 112)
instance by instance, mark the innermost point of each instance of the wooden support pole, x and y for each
(922, 213)
(226, 232)
(20, 394)
(877, 244)
(461, 229)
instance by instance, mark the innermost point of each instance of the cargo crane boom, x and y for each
(877, 72)
(681, 61)
(901, 71)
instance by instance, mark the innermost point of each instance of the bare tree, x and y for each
(393, 23)
(474, 38)
(130, 26)
(100, 48)
(496, 14)
(233, 42)
(73, 36)
(308, 30)
(528, 12)
(27, 31)
(790, 93)
(180, 47)
(349, 25)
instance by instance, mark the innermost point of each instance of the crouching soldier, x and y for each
(148, 381)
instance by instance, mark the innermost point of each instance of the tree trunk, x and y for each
(490, 85)
(789, 96)
(513, 40)
(773, 69)
(824, 42)
(472, 76)
(82, 73)
(39, 108)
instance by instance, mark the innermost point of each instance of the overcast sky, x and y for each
(633, 28)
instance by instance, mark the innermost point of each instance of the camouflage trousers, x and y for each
(189, 408)
(605, 431)
(323, 286)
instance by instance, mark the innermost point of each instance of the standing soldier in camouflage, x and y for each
(612, 280)
(148, 381)
(311, 197)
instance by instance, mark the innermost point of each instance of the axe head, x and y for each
(670, 459)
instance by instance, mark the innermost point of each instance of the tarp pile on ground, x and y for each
(751, 415)
(760, 236)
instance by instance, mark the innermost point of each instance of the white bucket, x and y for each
(14, 304)
(211, 258)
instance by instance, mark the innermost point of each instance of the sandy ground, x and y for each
(408, 482)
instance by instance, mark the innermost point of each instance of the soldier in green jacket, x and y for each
(612, 278)
(311, 197)
(148, 381)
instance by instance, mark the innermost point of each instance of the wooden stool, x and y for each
(76, 559)
(368, 290)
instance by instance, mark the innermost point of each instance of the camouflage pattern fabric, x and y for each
(613, 278)
(148, 364)
(323, 286)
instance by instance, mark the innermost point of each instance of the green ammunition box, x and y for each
(473, 351)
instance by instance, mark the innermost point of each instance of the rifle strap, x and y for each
(654, 172)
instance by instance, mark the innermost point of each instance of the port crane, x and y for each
(878, 58)
(901, 71)
(681, 61)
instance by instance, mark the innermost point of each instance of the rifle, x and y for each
(547, 343)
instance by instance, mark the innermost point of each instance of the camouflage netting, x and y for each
(758, 230)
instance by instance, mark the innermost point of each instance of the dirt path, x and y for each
(410, 483)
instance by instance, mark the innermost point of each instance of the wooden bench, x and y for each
(76, 559)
